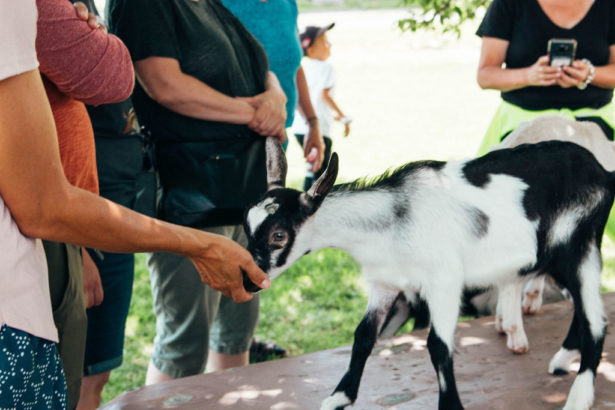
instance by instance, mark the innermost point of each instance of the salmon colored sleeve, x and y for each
(83, 63)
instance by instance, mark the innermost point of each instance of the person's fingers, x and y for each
(249, 100)
(543, 60)
(312, 155)
(89, 299)
(240, 295)
(93, 21)
(256, 274)
(99, 295)
(82, 10)
(576, 73)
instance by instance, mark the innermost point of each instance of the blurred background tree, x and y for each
(441, 15)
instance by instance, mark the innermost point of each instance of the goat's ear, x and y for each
(276, 164)
(317, 193)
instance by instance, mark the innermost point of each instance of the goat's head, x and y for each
(273, 225)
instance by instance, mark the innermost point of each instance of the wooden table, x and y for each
(399, 374)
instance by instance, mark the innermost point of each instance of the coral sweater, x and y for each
(79, 65)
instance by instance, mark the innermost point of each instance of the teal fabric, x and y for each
(274, 24)
(31, 376)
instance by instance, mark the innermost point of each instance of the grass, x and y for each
(411, 96)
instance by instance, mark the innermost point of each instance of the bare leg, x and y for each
(155, 376)
(91, 390)
(218, 361)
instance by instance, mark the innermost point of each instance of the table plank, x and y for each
(399, 374)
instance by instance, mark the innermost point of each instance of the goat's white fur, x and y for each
(563, 359)
(335, 401)
(581, 394)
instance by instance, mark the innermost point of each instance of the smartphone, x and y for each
(561, 51)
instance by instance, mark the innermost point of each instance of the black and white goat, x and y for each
(434, 227)
(545, 128)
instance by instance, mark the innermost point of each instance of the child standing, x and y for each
(320, 76)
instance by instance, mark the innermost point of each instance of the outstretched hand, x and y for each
(542, 74)
(219, 264)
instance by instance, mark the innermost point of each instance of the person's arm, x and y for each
(313, 140)
(45, 205)
(492, 75)
(85, 63)
(164, 82)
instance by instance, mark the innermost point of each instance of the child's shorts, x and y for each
(31, 374)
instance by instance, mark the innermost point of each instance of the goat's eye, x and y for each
(278, 236)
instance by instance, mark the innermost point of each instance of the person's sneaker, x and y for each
(264, 351)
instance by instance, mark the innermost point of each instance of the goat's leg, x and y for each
(443, 305)
(379, 305)
(569, 352)
(509, 299)
(591, 326)
(532, 295)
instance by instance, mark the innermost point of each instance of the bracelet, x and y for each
(312, 120)
(590, 77)
(345, 120)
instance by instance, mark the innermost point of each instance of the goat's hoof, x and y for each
(532, 303)
(517, 342)
(498, 325)
(561, 361)
(559, 372)
(337, 401)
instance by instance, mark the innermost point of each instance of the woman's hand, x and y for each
(573, 75)
(270, 115)
(92, 286)
(542, 74)
(220, 262)
(84, 14)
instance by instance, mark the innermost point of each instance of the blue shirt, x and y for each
(274, 24)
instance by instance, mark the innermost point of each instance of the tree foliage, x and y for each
(442, 15)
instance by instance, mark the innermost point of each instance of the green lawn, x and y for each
(412, 96)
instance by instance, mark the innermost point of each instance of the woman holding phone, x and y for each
(514, 59)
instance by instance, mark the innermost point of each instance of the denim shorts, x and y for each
(191, 316)
(31, 374)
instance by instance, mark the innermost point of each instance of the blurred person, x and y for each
(126, 177)
(207, 96)
(37, 201)
(514, 60)
(274, 24)
(79, 64)
(320, 75)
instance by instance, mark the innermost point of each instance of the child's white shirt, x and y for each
(320, 76)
